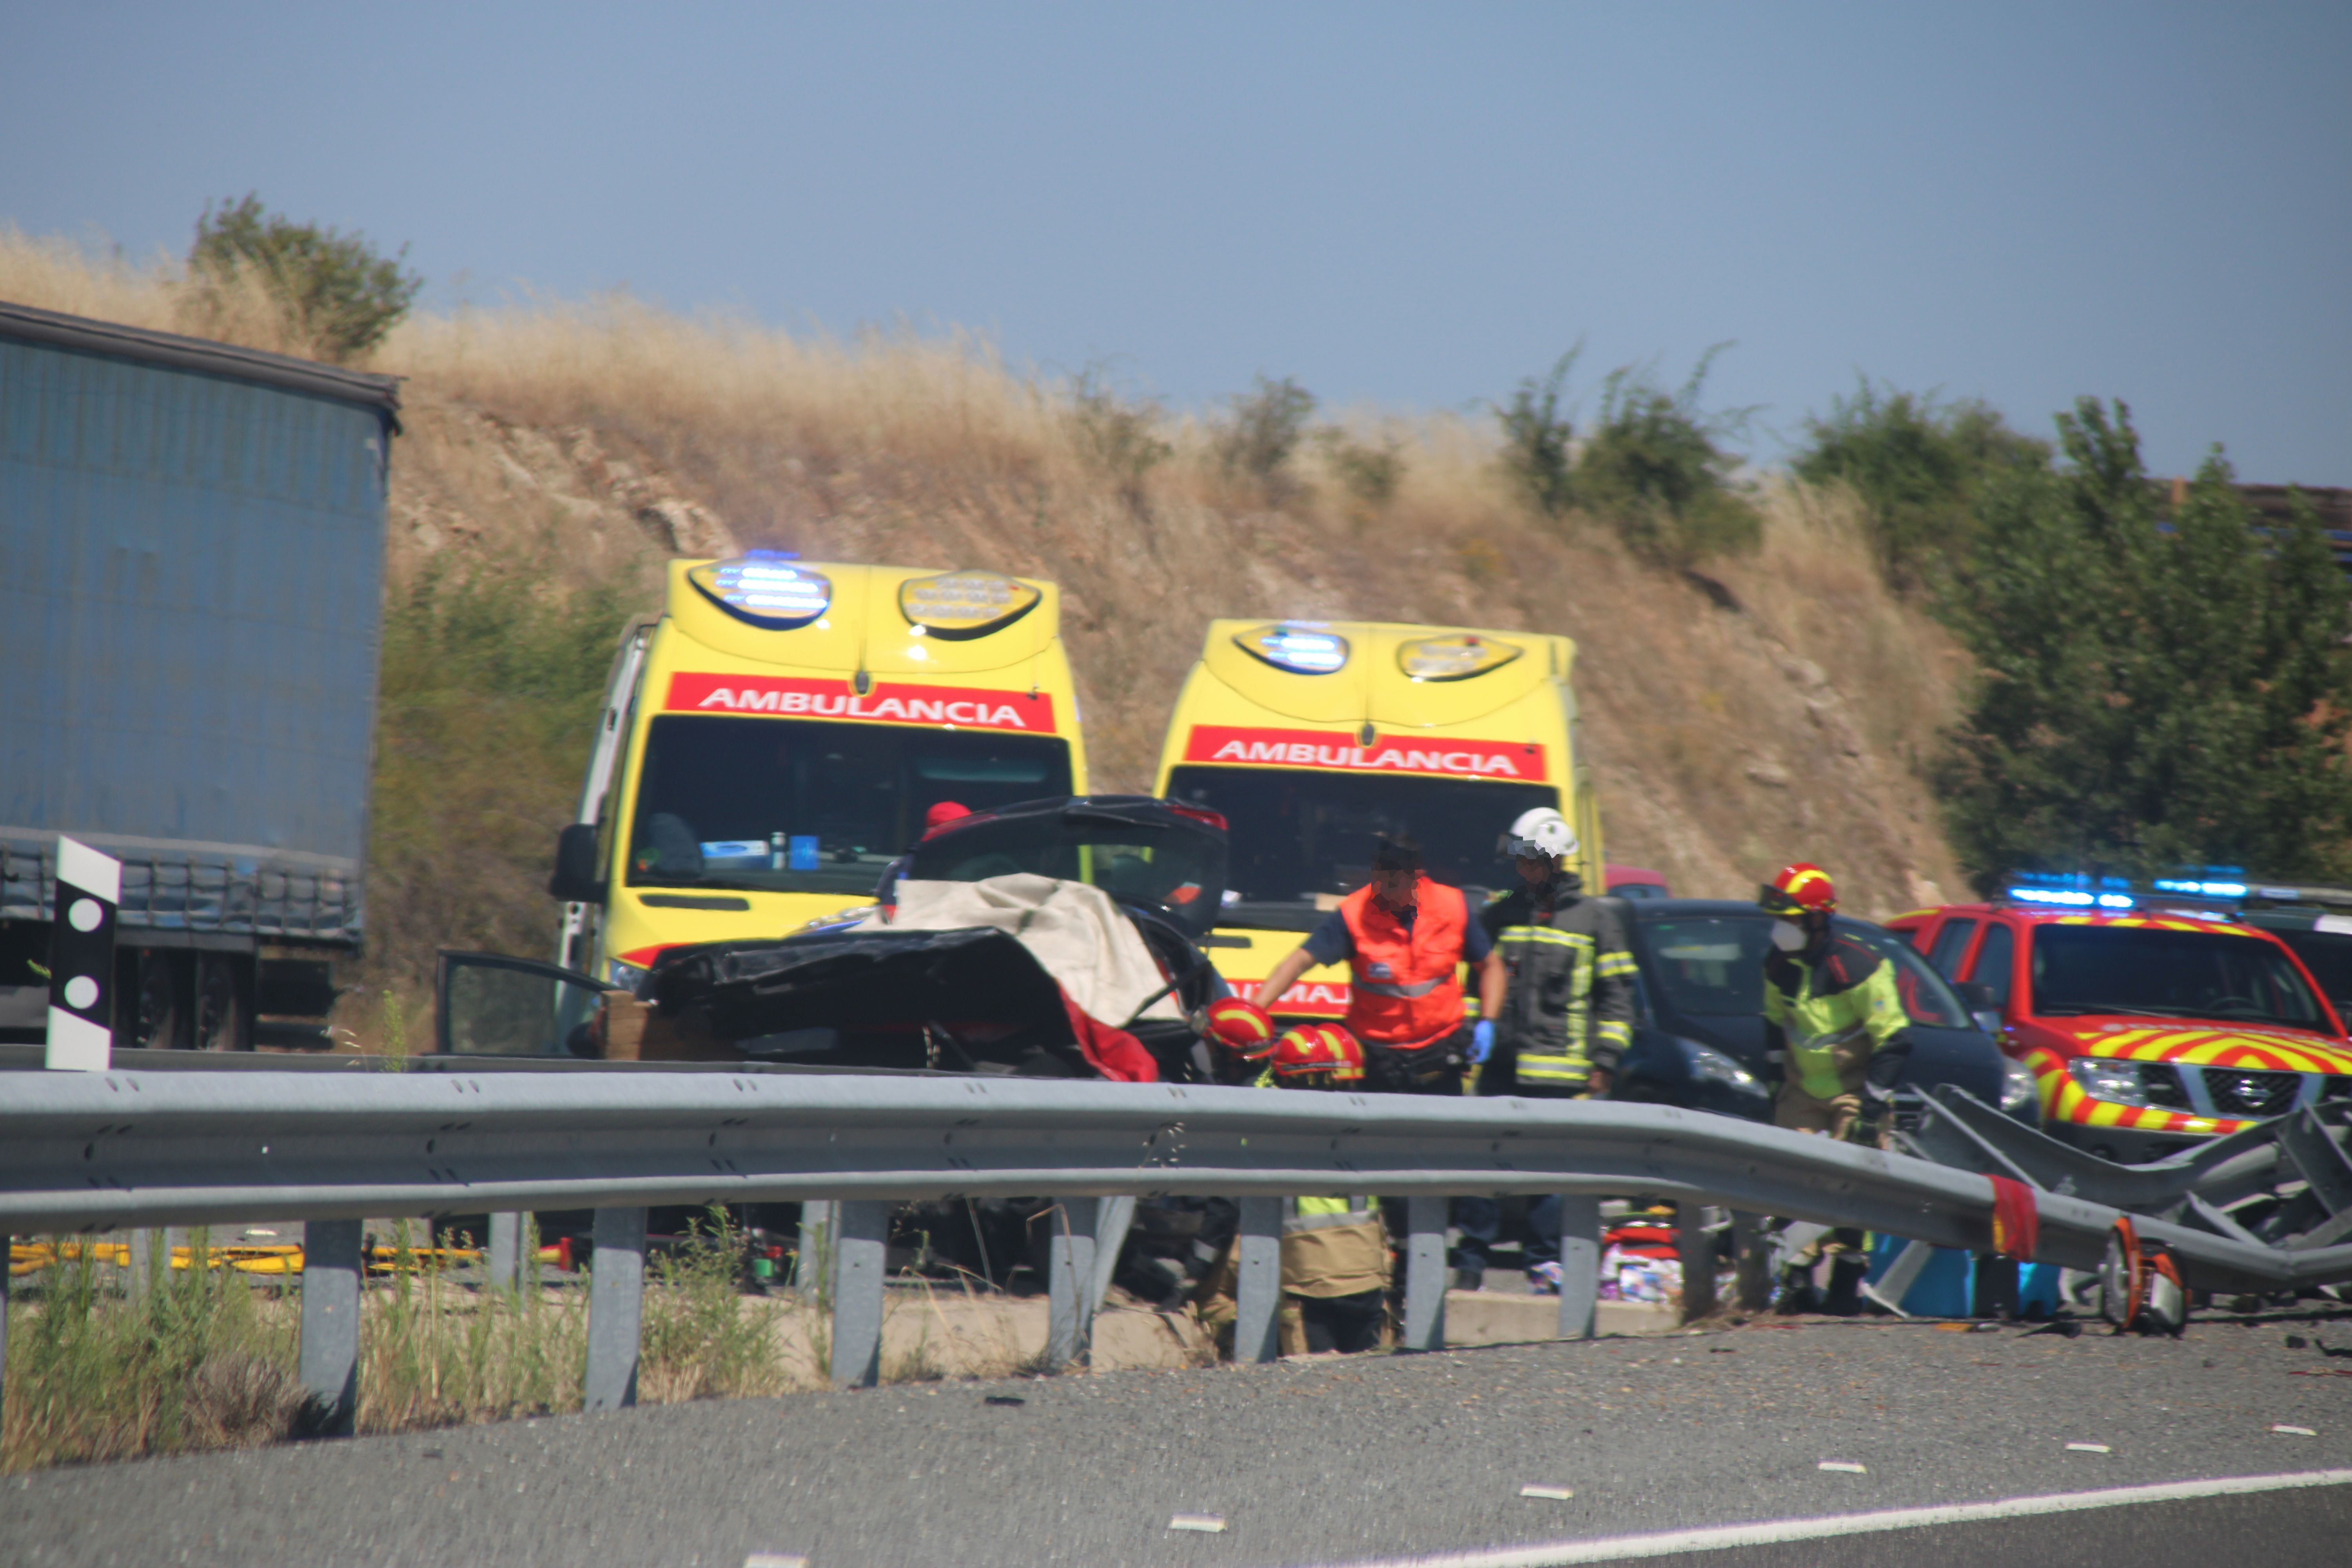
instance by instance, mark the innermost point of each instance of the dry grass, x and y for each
(1780, 709)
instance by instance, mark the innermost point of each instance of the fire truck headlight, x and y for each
(2116, 1081)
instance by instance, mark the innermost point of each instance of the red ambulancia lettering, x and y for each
(1327, 749)
(691, 692)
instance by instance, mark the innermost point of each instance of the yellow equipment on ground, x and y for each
(777, 736)
(1314, 737)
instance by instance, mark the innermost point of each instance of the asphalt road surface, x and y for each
(1320, 1462)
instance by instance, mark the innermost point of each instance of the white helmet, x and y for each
(1541, 832)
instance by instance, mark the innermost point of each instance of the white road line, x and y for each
(1617, 1548)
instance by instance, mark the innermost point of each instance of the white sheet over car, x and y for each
(1075, 931)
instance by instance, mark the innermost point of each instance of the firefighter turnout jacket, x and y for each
(1837, 1019)
(1569, 1005)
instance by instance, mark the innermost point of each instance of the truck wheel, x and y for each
(224, 1020)
(156, 999)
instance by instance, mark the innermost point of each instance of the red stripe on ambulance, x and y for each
(800, 697)
(1337, 749)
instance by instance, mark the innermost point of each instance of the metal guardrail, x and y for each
(96, 1151)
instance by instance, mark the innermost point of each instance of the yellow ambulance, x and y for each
(781, 734)
(1314, 737)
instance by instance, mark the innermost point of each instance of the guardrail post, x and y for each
(6, 1242)
(504, 1262)
(1579, 1264)
(861, 1228)
(1695, 1248)
(815, 1247)
(1069, 1279)
(1426, 1274)
(331, 1325)
(1117, 1216)
(617, 1306)
(1257, 1286)
(1752, 1255)
(139, 1264)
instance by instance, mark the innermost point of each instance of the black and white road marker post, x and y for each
(81, 959)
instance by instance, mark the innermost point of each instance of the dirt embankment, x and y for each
(1777, 706)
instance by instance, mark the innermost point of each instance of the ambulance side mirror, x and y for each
(575, 880)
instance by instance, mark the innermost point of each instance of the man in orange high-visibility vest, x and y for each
(1404, 937)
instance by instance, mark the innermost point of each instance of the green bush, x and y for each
(1653, 466)
(486, 708)
(1262, 432)
(1917, 465)
(340, 291)
(1118, 437)
(1537, 439)
(2147, 699)
(1370, 475)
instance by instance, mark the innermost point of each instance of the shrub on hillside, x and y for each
(486, 708)
(1918, 465)
(1537, 439)
(1261, 431)
(1655, 468)
(2149, 699)
(1118, 437)
(1369, 475)
(336, 288)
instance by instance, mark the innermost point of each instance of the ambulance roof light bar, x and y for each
(1299, 646)
(765, 588)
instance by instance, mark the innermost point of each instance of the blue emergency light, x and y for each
(1298, 649)
(763, 587)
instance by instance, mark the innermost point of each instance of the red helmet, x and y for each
(1319, 1051)
(1804, 889)
(1243, 1028)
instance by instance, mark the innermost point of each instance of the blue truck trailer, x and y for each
(192, 541)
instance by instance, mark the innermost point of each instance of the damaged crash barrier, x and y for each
(1335, 1264)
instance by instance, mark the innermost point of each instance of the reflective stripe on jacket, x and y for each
(1569, 1005)
(1820, 1013)
(1404, 990)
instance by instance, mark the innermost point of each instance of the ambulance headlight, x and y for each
(957, 605)
(1455, 657)
(623, 976)
(765, 588)
(2017, 1086)
(1303, 650)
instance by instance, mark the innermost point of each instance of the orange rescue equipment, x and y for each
(1405, 991)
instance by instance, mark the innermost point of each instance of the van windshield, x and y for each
(2148, 972)
(807, 806)
(1299, 832)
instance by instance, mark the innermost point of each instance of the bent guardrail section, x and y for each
(83, 1151)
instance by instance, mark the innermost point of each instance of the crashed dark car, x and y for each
(1698, 1026)
(864, 990)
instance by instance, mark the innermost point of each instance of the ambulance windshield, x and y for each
(1299, 833)
(809, 807)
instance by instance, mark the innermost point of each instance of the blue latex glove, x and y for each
(1482, 1041)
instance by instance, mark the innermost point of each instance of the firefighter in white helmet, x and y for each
(1568, 1007)
(1566, 1012)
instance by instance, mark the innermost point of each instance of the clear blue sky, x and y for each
(1413, 206)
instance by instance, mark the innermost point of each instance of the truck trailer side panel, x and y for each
(190, 566)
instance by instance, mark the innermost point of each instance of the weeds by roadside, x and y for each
(195, 1360)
